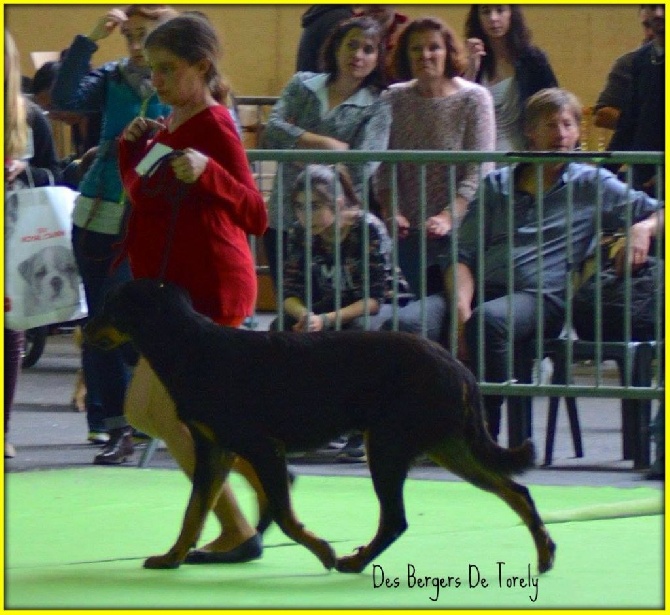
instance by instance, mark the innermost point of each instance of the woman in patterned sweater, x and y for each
(433, 109)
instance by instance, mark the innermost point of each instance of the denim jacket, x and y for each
(363, 121)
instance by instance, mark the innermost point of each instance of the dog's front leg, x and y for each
(268, 460)
(211, 469)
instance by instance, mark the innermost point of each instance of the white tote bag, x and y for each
(42, 283)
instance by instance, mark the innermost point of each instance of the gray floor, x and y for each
(47, 433)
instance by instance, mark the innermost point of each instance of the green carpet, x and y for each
(77, 539)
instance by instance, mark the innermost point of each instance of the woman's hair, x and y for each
(329, 50)
(550, 100)
(327, 181)
(518, 37)
(192, 38)
(16, 126)
(456, 59)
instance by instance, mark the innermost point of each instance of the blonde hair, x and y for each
(16, 126)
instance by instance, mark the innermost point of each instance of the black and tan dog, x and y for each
(260, 395)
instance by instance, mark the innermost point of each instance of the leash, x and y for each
(176, 197)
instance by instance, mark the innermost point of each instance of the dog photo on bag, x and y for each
(52, 280)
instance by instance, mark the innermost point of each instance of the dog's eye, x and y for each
(41, 272)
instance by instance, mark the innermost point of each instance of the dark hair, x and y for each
(192, 38)
(456, 59)
(328, 181)
(518, 37)
(44, 77)
(371, 29)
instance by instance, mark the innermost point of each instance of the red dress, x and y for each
(209, 253)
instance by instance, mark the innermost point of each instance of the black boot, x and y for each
(119, 448)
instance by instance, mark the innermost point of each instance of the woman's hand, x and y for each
(439, 225)
(403, 226)
(107, 24)
(312, 140)
(476, 51)
(14, 169)
(189, 166)
(139, 127)
(309, 322)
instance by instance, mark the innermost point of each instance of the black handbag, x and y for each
(646, 287)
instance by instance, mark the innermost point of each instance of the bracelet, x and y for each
(325, 322)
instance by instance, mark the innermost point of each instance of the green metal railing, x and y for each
(598, 388)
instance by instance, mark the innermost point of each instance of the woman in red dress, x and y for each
(191, 215)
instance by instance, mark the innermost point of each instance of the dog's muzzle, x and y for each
(104, 336)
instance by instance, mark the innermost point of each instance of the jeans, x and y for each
(495, 344)
(14, 341)
(106, 372)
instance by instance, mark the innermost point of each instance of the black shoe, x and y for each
(354, 450)
(265, 519)
(118, 450)
(249, 550)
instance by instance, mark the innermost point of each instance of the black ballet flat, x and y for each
(249, 550)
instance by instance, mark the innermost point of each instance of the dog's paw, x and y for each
(351, 563)
(547, 558)
(162, 562)
(326, 555)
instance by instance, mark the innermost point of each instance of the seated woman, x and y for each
(349, 292)
(340, 296)
(337, 110)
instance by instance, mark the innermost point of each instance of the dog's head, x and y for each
(133, 309)
(51, 275)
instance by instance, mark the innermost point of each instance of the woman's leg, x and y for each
(150, 409)
(14, 341)
(105, 371)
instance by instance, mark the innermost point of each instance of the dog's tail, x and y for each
(507, 461)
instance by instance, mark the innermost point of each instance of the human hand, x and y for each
(335, 144)
(189, 166)
(636, 251)
(309, 323)
(14, 168)
(476, 51)
(140, 126)
(107, 24)
(403, 225)
(439, 225)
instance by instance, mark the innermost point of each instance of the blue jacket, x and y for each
(363, 121)
(106, 91)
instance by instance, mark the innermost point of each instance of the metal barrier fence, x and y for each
(267, 163)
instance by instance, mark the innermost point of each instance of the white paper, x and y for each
(154, 154)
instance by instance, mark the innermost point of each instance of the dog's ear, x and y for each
(26, 268)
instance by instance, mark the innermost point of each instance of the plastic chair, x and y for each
(635, 413)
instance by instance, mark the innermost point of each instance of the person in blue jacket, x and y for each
(120, 90)
(502, 58)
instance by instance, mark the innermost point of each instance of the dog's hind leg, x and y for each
(211, 469)
(456, 456)
(388, 468)
(269, 463)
